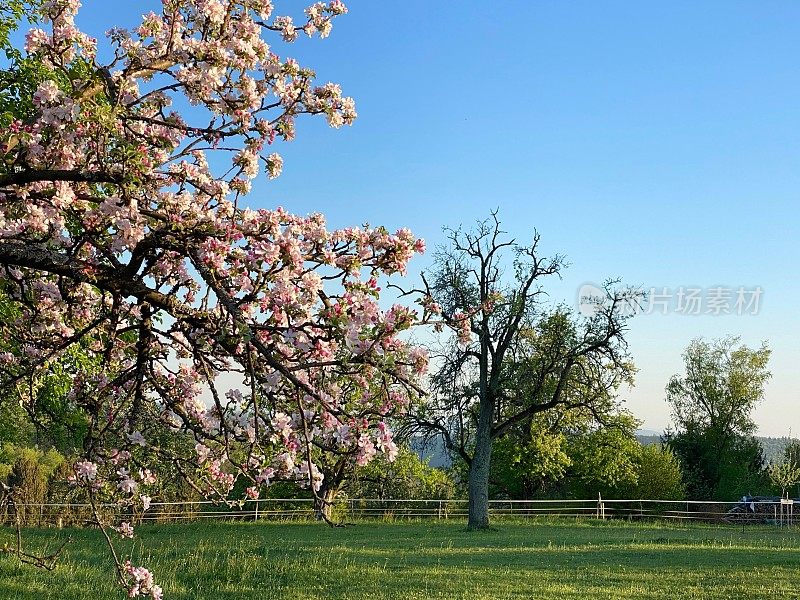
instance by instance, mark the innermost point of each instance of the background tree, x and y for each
(566, 452)
(711, 406)
(529, 461)
(658, 476)
(784, 470)
(27, 472)
(569, 454)
(513, 357)
(408, 477)
(604, 458)
(792, 452)
(784, 475)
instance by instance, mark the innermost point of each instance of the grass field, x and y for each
(553, 560)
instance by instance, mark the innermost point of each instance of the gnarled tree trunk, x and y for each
(323, 504)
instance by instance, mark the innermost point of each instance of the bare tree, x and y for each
(515, 355)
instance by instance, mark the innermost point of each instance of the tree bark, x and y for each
(323, 505)
(479, 469)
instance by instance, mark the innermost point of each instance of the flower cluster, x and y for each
(140, 582)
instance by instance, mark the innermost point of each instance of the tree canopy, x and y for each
(712, 406)
(124, 232)
(513, 355)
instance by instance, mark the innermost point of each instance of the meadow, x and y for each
(564, 559)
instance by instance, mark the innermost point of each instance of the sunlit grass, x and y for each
(554, 559)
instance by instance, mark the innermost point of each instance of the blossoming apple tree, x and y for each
(123, 232)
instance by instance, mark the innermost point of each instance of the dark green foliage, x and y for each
(59, 423)
(719, 469)
(20, 76)
(15, 426)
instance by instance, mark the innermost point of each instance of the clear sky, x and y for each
(656, 142)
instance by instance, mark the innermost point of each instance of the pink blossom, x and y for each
(202, 452)
(140, 581)
(137, 438)
(366, 450)
(147, 477)
(230, 289)
(265, 475)
(86, 470)
(35, 40)
(127, 485)
(47, 92)
(125, 530)
(274, 165)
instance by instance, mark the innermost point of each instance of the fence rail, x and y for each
(77, 514)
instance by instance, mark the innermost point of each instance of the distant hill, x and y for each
(432, 450)
(436, 453)
(647, 432)
(773, 447)
(649, 439)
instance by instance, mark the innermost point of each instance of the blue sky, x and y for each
(659, 143)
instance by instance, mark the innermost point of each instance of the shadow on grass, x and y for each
(428, 560)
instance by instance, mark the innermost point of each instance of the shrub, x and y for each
(27, 471)
(659, 475)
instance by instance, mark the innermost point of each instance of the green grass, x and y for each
(421, 560)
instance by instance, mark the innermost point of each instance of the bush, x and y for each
(407, 478)
(659, 476)
(29, 486)
(27, 471)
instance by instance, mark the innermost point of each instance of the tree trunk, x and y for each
(479, 470)
(323, 504)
